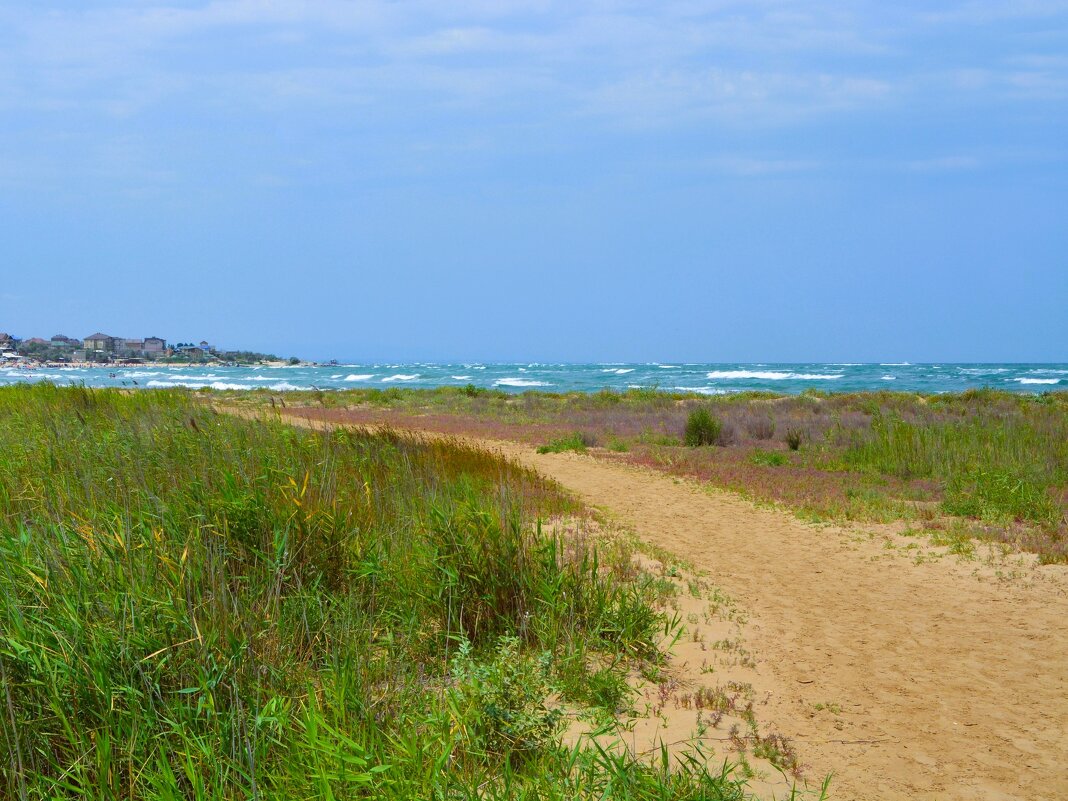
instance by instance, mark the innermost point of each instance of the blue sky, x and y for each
(718, 181)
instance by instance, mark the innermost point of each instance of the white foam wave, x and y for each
(198, 384)
(770, 375)
(284, 386)
(667, 367)
(618, 370)
(519, 382)
(1037, 380)
(400, 377)
(460, 377)
(889, 378)
(895, 364)
(703, 390)
(359, 377)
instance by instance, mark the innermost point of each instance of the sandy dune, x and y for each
(952, 682)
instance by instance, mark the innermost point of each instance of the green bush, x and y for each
(702, 428)
(501, 703)
(576, 442)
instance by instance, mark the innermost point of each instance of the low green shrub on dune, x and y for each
(702, 428)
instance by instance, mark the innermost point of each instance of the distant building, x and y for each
(154, 345)
(103, 342)
(133, 345)
(61, 341)
(35, 341)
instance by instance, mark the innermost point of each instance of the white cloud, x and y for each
(497, 71)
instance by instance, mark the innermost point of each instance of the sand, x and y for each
(951, 679)
(951, 685)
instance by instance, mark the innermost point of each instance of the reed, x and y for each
(198, 606)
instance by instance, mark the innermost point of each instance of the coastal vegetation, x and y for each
(195, 605)
(993, 463)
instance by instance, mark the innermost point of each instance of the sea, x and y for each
(707, 379)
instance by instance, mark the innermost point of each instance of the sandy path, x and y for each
(951, 685)
(957, 686)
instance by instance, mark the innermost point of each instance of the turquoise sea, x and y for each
(711, 378)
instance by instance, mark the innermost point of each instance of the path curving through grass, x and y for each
(938, 680)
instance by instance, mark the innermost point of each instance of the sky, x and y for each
(538, 180)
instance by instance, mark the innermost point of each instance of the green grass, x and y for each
(197, 606)
(572, 442)
(768, 458)
(992, 466)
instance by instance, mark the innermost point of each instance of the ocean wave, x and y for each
(618, 370)
(360, 377)
(519, 382)
(769, 375)
(198, 384)
(667, 367)
(895, 364)
(400, 377)
(702, 390)
(889, 378)
(283, 386)
(1037, 380)
(460, 377)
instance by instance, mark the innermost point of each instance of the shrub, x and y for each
(793, 438)
(760, 427)
(501, 703)
(702, 428)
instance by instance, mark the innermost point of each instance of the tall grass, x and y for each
(196, 606)
(990, 464)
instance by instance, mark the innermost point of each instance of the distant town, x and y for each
(102, 348)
